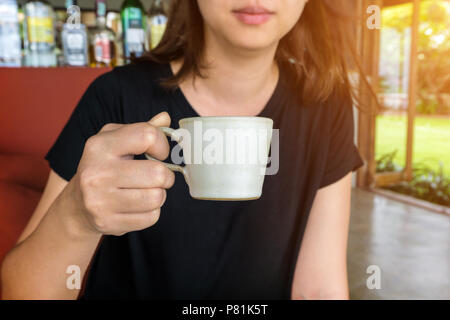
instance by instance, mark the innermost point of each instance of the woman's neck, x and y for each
(237, 82)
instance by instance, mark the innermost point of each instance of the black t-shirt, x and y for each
(210, 249)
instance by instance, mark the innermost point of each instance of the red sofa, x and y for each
(35, 103)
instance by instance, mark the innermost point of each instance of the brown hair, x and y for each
(318, 51)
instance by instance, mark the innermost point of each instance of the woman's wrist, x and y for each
(71, 218)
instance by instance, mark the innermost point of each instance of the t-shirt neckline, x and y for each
(265, 112)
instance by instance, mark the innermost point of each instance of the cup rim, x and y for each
(255, 118)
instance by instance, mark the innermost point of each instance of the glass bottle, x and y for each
(10, 42)
(133, 28)
(156, 23)
(39, 34)
(102, 47)
(74, 37)
(21, 15)
(114, 22)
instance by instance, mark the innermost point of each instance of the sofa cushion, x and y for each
(17, 205)
(36, 104)
(25, 170)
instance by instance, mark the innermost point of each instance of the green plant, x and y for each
(427, 106)
(386, 163)
(427, 184)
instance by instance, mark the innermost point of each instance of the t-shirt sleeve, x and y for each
(97, 107)
(343, 155)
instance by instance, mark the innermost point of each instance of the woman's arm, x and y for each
(110, 194)
(36, 267)
(321, 270)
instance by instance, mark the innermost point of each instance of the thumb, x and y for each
(160, 120)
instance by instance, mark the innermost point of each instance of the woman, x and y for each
(135, 221)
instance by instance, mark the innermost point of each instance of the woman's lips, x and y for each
(253, 15)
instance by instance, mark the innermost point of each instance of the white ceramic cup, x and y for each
(225, 157)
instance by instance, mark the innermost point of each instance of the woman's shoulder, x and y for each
(130, 80)
(132, 75)
(143, 71)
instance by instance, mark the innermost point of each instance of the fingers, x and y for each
(134, 221)
(137, 200)
(142, 174)
(111, 127)
(121, 140)
(134, 139)
(160, 120)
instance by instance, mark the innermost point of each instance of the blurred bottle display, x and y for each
(74, 37)
(156, 23)
(10, 43)
(102, 47)
(133, 28)
(39, 34)
(35, 35)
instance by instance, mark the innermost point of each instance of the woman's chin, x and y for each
(252, 45)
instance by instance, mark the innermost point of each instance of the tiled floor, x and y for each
(409, 245)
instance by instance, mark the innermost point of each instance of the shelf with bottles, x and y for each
(63, 33)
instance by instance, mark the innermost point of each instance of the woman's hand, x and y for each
(114, 194)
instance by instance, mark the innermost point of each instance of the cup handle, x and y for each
(172, 133)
